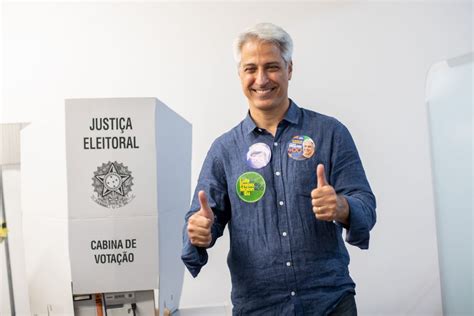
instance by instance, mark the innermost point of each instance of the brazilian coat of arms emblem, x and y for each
(112, 183)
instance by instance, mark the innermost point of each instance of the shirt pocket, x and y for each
(303, 176)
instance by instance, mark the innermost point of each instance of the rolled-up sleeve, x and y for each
(349, 179)
(212, 181)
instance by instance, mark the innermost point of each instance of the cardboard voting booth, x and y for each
(449, 104)
(13, 286)
(128, 187)
(105, 187)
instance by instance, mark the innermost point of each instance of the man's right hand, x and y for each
(200, 223)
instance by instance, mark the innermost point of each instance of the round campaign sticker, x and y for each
(259, 155)
(250, 187)
(301, 148)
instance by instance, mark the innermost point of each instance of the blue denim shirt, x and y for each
(282, 260)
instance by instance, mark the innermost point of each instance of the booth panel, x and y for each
(171, 267)
(173, 150)
(111, 157)
(173, 153)
(113, 255)
(450, 108)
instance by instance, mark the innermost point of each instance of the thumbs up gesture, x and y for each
(327, 205)
(200, 223)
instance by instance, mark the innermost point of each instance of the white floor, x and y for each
(205, 311)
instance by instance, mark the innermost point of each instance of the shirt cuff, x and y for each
(194, 258)
(358, 232)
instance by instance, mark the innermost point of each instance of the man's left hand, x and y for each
(327, 205)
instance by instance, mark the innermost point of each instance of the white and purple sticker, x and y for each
(259, 155)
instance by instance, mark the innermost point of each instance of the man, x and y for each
(285, 219)
(308, 148)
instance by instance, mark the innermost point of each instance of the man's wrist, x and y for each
(342, 207)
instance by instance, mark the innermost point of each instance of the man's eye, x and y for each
(273, 68)
(249, 70)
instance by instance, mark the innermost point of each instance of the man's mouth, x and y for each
(263, 91)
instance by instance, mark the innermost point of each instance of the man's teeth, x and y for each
(263, 91)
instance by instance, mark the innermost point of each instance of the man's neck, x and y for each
(269, 120)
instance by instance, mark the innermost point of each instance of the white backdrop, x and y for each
(363, 62)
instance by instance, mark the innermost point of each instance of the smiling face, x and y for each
(308, 148)
(264, 76)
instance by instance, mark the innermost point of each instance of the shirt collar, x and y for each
(292, 116)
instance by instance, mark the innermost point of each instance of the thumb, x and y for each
(205, 209)
(321, 176)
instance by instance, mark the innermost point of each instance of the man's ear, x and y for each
(290, 69)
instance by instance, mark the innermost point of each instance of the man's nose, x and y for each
(261, 78)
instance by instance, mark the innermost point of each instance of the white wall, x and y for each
(365, 63)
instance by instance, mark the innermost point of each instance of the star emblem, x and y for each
(112, 181)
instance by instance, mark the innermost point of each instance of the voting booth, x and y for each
(450, 109)
(13, 287)
(110, 222)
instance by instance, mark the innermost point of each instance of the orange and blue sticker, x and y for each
(301, 147)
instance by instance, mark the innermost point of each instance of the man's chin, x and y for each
(264, 105)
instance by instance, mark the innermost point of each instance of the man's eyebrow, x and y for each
(271, 63)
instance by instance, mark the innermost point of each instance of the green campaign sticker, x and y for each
(250, 187)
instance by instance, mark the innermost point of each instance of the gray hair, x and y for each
(266, 32)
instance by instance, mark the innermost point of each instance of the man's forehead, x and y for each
(254, 62)
(254, 44)
(260, 56)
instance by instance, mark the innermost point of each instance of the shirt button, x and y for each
(281, 203)
(284, 234)
(288, 264)
(293, 293)
(275, 144)
(278, 173)
(260, 130)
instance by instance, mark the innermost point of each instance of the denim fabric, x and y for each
(346, 307)
(282, 260)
